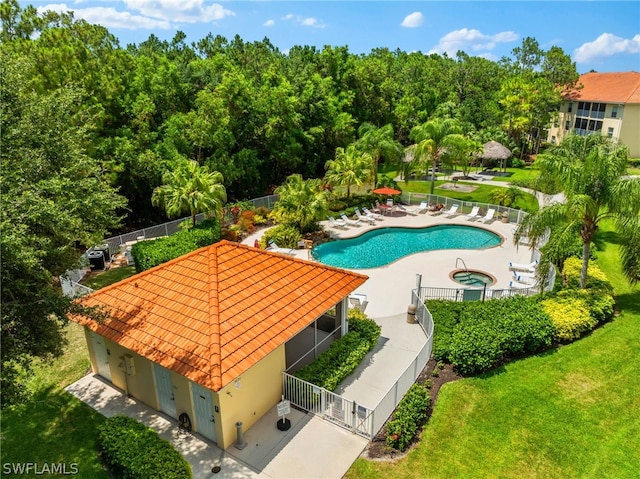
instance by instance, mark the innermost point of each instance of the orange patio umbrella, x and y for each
(386, 191)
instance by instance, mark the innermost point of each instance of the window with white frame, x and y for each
(610, 131)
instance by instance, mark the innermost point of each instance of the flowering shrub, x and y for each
(409, 414)
(596, 278)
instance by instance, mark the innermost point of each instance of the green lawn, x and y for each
(54, 426)
(633, 171)
(110, 276)
(569, 413)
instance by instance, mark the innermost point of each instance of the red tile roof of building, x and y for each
(608, 88)
(212, 314)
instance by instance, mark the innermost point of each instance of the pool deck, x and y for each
(389, 287)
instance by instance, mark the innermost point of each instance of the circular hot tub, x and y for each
(472, 277)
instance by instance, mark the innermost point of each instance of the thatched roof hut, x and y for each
(495, 151)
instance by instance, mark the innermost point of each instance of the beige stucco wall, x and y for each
(630, 131)
(260, 389)
(625, 126)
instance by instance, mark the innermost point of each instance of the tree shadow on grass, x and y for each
(629, 302)
(606, 237)
(53, 427)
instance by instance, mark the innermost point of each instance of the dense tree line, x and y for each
(90, 129)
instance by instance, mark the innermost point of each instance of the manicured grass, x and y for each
(633, 171)
(110, 276)
(54, 426)
(518, 174)
(571, 412)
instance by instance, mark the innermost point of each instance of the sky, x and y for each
(598, 35)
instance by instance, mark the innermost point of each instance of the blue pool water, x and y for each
(378, 247)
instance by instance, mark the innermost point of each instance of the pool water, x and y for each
(472, 278)
(379, 247)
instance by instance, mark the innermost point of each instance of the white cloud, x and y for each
(471, 39)
(606, 45)
(305, 22)
(269, 23)
(109, 17)
(180, 11)
(413, 20)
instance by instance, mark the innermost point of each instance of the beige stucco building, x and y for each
(209, 334)
(607, 103)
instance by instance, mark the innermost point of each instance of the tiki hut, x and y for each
(496, 151)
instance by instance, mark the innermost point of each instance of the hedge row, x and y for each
(412, 410)
(147, 254)
(343, 356)
(130, 450)
(477, 336)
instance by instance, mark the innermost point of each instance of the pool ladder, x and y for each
(463, 263)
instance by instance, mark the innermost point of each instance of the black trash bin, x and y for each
(96, 259)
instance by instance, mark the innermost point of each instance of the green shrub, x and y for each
(634, 162)
(343, 356)
(337, 205)
(596, 278)
(446, 315)
(410, 413)
(130, 450)
(487, 332)
(576, 311)
(367, 328)
(147, 254)
(284, 236)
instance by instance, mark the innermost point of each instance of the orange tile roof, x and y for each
(213, 313)
(608, 88)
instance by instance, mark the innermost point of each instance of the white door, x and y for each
(102, 358)
(203, 407)
(164, 387)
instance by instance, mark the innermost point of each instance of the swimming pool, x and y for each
(382, 246)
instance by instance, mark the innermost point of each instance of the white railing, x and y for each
(349, 414)
(73, 289)
(514, 215)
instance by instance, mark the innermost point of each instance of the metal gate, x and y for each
(330, 406)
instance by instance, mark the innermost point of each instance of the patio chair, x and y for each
(358, 301)
(515, 285)
(348, 221)
(451, 212)
(530, 281)
(521, 274)
(362, 217)
(421, 208)
(530, 267)
(373, 215)
(489, 216)
(276, 249)
(474, 214)
(336, 223)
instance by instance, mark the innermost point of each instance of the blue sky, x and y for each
(599, 35)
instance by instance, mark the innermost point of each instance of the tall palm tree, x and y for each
(350, 167)
(302, 203)
(431, 140)
(190, 188)
(591, 171)
(379, 143)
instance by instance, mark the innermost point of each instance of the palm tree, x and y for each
(350, 167)
(432, 138)
(302, 203)
(506, 196)
(591, 171)
(379, 143)
(190, 188)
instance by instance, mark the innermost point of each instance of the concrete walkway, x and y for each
(311, 449)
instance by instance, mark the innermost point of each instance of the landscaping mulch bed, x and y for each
(377, 449)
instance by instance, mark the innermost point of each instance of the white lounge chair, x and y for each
(489, 216)
(348, 221)
(276, 249)
(451, 212)
(336, 223)
(358, 300)
(474, 214)
(373, 215)
(528, 279)
(362, 217)
(421, 208)
(513, 285)
(530, 267)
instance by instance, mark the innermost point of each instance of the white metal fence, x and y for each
(349, 414)
(515, 216)
(172, 227)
